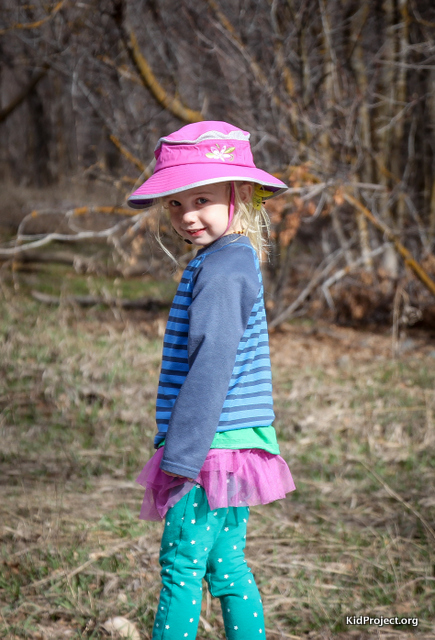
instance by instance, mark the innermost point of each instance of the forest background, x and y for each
(338, 96)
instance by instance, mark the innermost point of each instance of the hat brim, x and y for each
(188, 176)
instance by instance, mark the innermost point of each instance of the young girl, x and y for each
(217, 451)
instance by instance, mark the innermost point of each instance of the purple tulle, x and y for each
(231, 478)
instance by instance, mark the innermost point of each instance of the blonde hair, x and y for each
(254, 223)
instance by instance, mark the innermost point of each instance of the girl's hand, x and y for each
(176, 475)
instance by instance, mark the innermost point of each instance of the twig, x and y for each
(397, 497)
(36, 24)
(418, 270)
(399, 295)
(283, 634)
(337, 226)
(4, 113)
(126, 153)
(315, 280)
(93, 557)
(152, 84)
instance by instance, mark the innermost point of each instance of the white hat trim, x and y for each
(208, 135)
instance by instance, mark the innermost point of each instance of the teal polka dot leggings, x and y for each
(199, 543)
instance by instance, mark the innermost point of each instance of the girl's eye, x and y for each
(202, 200)
(174, 203)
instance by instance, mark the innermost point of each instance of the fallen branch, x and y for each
(81, 264)
(69, 237)
(314, 282)
(338, 275)
(54, 257)
(143, 304)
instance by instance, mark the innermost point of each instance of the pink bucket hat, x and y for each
(199, 154)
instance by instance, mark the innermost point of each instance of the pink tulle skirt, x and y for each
(230, 478)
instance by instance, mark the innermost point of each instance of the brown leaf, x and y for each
(338, 196)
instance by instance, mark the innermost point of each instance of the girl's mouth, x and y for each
(196, 232)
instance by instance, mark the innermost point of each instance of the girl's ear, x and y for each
(246, 191)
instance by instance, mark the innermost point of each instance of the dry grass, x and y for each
(76, 425)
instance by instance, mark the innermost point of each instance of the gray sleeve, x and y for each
(225, 289)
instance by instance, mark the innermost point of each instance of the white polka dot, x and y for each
(245, 597)
(236, 627)
(195, 504)
(226, 576)
(194, 573)
(167, 626)
(250, 581)
(235, 547)
(198, 486)
(167, 524)
(215, 513)
(195, 561)
(185, 635)
(228, 610)
(157, 624)
(260, 630)
(226, 529)
(191, 620)
(208, 528)
(255, 614)
(182, 518)
(244, 520)
(192, 521)
(232, 584)
(162, 608)
(167, 570)
(205, 548)
(193, 601)
(171, 544)
(192, 542)
(182, 584)
(219, 559)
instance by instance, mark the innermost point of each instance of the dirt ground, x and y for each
(323, 344)
(41, 510)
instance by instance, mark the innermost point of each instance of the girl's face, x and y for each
(201, 214)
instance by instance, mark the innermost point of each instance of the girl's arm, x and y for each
(225, 289)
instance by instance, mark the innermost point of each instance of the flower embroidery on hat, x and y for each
(216, 153)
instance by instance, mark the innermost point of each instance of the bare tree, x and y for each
(338, 97)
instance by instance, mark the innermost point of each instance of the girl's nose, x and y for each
(189, 214)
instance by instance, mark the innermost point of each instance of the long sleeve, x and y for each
(225, 289)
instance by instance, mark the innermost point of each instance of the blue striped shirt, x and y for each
(215, 373)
